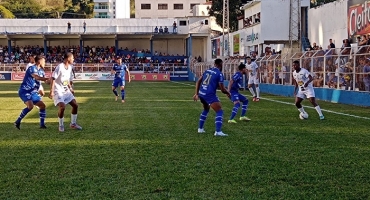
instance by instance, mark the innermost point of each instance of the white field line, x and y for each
(287, 103)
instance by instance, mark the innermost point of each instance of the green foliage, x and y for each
(50, 8)
(149, 148)
(234, 11)
(315, 3)
(132, 8)
(5, 13)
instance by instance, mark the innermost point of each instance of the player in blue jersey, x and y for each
(205, 90)
(119, 70)
(28, 91)
(235, 85)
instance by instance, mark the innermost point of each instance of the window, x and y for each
(162, 6)
(178, 6)
(114, 12)
(114, 7)
(193, 4)
(145, 6)
(182, 23)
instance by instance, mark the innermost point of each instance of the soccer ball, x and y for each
(303, 115)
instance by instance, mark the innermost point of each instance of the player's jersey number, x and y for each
(207, 79)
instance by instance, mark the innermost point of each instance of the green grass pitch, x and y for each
(149, 148)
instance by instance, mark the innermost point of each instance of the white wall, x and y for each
(201, 10)
(122, 9)
(169, 13)
(328, 22)
(275, 20)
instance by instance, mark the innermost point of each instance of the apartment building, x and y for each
(119, 9)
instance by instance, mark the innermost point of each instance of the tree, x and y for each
(5, 13)
(234, 11)
(23, 8)
(315, 3)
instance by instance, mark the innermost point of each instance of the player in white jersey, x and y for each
(31, 60)
(62, 92)
(303, 82)
(253, 74)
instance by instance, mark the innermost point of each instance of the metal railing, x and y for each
(344, 69)
(168, 68)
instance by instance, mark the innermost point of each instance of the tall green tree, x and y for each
(23, 8)
(315, 3)
(5, 13)
(234, 11)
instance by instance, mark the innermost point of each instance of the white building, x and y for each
(156, 9)
(119, 9)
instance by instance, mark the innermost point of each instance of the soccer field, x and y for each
(149, 148)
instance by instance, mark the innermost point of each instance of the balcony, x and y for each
(101, 8)
(102, 16)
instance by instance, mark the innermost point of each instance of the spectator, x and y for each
(84, 26)
(156, 29)
(165, 29)
(69, 27)
(366, 78)
(332, 45)
(174, 25)
(199, 59)
(160, 29)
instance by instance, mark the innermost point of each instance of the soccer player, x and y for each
(254, 72)
(205, 90)
(235, 85)
(119, 71)
(303, 82)
(28, 91)
(62, 92)
(32, 62)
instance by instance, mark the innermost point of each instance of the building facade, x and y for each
(119, 9)
(156, 9)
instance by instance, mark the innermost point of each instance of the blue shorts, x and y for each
(118, 82)
(209, 99)
(237, 97)
(29, 95)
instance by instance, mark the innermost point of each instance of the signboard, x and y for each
(358, 18)
(236, 44)
(18, 76)
(5, 76)
(134, 77)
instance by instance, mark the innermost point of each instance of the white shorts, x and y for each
(253, 80)
(41, 88)
(65, 98)
(307, 93)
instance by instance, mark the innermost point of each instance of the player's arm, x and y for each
(128, 74)
(310, 79)
(257, 71)
(39, 78)
(295, 87)
(112, 71)
(197, 87)
(231, 82)
(54, 76)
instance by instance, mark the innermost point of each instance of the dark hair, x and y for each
(39, 57)
(296, 62)
(218, 61)
(248, 57)
(67, 55)
(241, 66)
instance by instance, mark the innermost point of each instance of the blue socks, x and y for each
(234, 111)
(203, 118)
(115, 92)
(42, 117)
(218, 120)
(123, 94)
(23, 114)
(244, 107)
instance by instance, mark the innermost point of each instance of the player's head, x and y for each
(249, 59)
(68, 57)
(218, 63)
(242, 68)
(31, 58)
(119, 60)
(40, 60)
(296, 66)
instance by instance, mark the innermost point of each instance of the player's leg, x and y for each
(216, 106)
(27, 99)
(72, 101)
(234, 111)
(311, 97)
(59, 101)
(36, 98)
(114, 86)
(245, 102)
(298, 100)
(203, 115)
(123, 91)
(256, 82)
(250, 87)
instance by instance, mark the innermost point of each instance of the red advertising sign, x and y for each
(17, 76)
(358, 18)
